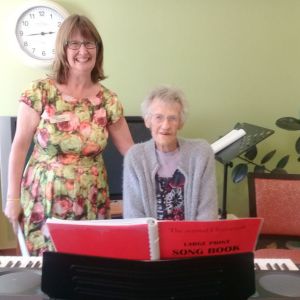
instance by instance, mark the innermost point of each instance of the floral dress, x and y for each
(65, 176)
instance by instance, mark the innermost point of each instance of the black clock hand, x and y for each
(33, 34)
(41, 33)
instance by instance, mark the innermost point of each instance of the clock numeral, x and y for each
(53, 51)
(44, 53)
(32, 16)
(41, 13)
(58, 24)
(21, 33)
(25, 23)
(33, 50)
(25, 44)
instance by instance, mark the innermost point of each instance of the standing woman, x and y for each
(168, 177)
(69, 116)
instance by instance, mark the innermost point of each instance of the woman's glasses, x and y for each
(158, 118)
(75, 45)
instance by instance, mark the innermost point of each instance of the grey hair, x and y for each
(167, 94)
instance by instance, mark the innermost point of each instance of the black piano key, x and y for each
(284, 267)
(29, 265)
(18, 264)
(9, 264)
(277, 267)
(37, 265)
(269, 267)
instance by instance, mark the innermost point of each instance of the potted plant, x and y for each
(240, 171)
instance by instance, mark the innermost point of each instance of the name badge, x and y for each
(59, 118)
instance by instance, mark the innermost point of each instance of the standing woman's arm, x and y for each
(120, 135)
(27, 122)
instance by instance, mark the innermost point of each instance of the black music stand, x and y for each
(67, 276)
(254, 135)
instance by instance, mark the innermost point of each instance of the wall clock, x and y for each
(35, 26)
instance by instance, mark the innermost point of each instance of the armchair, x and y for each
(275, 198)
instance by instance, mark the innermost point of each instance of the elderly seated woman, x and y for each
(168, 177)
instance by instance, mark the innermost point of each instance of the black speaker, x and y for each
(114, 160)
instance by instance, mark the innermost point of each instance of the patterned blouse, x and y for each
(170, 197)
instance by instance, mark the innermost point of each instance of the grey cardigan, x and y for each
(197, 164)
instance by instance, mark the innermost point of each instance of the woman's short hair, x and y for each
(88, 30)
(167, 94)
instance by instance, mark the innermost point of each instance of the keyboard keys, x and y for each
(33, 262)
(274, 264)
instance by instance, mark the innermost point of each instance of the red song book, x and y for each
(116, 238)
(206, 238)
(149, 239)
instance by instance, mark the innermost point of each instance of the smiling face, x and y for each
(82, 59)
(164, 121)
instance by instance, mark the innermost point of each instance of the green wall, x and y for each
(236, 60)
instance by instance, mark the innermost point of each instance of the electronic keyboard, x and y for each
(275, 278)
(260, 264)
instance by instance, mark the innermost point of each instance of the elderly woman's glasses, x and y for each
(158, 118)
(75, 45)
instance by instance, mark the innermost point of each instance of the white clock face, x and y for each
(36, 32)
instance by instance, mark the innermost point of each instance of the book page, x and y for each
(207, 238)
(154, 239)
(110, 222)
(114, 238)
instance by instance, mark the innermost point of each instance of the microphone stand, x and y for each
(224, 202)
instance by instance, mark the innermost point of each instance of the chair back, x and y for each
(276, 199)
